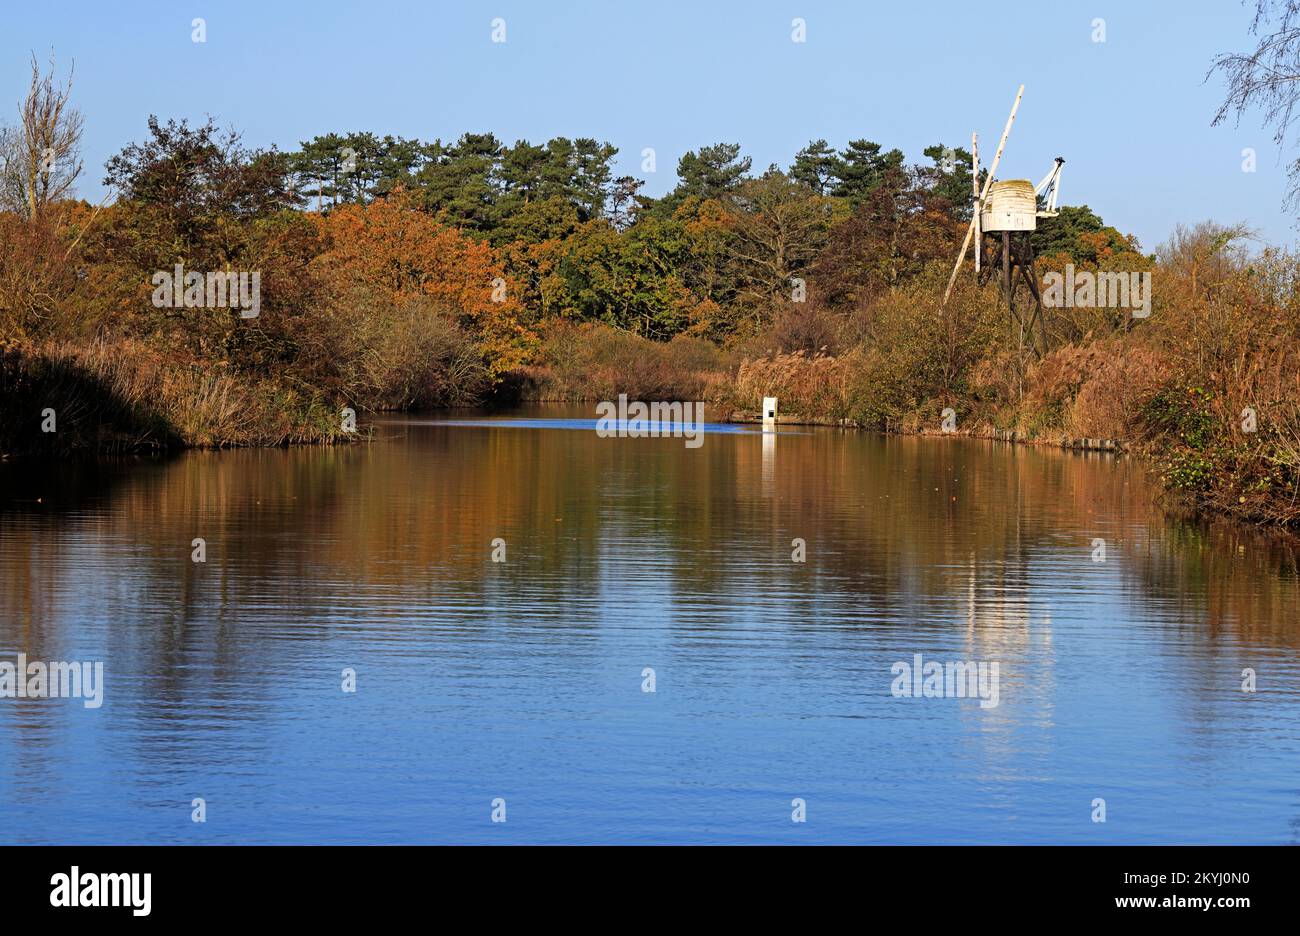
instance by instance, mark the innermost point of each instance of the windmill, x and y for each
(1009, 208)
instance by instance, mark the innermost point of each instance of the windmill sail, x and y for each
(993, 167)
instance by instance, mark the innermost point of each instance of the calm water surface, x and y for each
(523, 680)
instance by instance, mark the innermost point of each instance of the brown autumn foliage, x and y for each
(1095, 390)
(591, 362)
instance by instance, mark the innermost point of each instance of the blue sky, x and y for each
(1131, 115)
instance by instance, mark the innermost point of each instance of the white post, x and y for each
(769, 414)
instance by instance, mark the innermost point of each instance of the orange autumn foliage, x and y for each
(394, 251)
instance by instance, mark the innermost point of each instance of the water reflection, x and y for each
(1119, 679)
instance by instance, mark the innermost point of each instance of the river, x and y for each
(506, 591)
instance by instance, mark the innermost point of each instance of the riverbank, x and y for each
(1213, 418)
(127, 398)
(1116, 394)
(1114, 446)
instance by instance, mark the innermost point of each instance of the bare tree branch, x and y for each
(1268, 79)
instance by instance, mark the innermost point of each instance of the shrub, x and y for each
(596, 362)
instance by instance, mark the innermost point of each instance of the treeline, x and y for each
(380, 257)
(717, 256)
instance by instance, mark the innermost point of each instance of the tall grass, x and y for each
(125, 397)
(586, 362)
